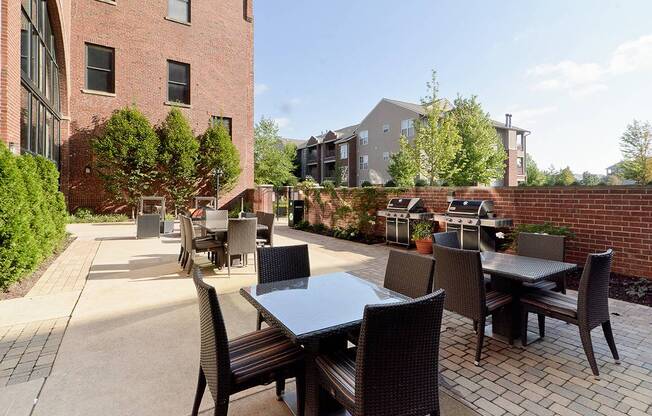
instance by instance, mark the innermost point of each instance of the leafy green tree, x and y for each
(178, 153)
(402, 165)
(437, 142)
(54, 198)
(590, 179)
(18, 247)
(42, 225)
(636, 147)
(565, 177)
(126, 155)
(535, 176)
(481, 157)
(217, 151)
(273, 161)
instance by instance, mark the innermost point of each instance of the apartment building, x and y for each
(68, 64)
(322, 157)
(377, 137)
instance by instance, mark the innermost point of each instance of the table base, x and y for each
(326, 408)
(532, 336)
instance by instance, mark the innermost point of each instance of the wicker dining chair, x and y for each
(409, 274)
(265, 237)
(241, 240)
(254, 359)
(196, 245)
(276, 264)
(394, 369)
(459, 273)
(589, 310)
(547, 247)
(452, 239)
(182, 252)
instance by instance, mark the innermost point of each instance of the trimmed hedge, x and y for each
(32, 214)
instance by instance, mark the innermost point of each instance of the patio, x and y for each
(130, 344)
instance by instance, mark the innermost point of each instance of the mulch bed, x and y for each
(620, 287)
(20, 288)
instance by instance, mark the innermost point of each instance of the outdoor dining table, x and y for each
(508, 273)
(215, 230)
(317, 312)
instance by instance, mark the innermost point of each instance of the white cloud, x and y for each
(530, 116)
(634, 55)
(583, 79)
(282, 122)
(260, 89)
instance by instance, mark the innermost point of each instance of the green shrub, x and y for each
(54, 199)
(545, 228)
(422, 230)
(302, 225)
(366, 184)
(41, 224)
(328, 185)
(420, 182)
(87, 216)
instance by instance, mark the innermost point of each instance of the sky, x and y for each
(574, 73)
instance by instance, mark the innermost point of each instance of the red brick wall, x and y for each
(618, 217)
(218, 45)
(10, 72)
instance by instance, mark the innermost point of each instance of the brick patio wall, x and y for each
(618, 217)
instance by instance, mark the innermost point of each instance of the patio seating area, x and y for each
(133, 334)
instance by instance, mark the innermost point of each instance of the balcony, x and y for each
(312, 157)
(329, 155)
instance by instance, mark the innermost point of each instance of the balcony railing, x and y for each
(329, 154)
(312, 157)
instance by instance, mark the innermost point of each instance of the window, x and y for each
(385, 128)
(385, 156)
(364, 137)
(100, 64)
(344, 151)
(519, 165)
(364, 162)
(179, 10)
(39, 79)
(407, 128)
(227, 122)
(519, 141)
(178, 82)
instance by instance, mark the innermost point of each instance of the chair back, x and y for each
(409, 274)
(189, 232)
(217, 219)
(214, 347)
(459, 273)
(541, 246)
(241, 236)
(593, 293)
(283, 263)
(182, 232)
(447, 239)
(397, 364)
(267, 219)
(247, 215)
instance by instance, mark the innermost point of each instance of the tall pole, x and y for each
(217, 188)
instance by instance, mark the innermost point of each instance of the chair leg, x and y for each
(475, 326)
(280, 389)
(259, 321)
(524, 317)
(562, 284)
(608, 334)
(542, 325)
(301, 391)
(180, 254)
(255, 262)
(478, 347)
(228, 263)
(585, 335)
(201, 387)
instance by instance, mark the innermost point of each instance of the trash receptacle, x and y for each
(295, 215)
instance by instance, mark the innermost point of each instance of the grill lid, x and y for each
(405, 205)
(476, 208)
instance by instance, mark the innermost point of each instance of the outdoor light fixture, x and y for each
(87, 169)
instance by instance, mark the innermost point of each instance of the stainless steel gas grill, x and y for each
(475, 223)
(400, 215)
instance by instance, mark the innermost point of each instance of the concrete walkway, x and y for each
(131, 344)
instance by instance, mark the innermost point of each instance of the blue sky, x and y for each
(573, 72)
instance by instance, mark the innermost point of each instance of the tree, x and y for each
(565, 177)
(273, 161)
(217, 151)
(481, 157)
(590, 179)
(178, 153)
(126, 155)
(636, 147)
(535, 177)
(402, 164)
(437, 142)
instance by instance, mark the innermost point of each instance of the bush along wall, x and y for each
(32, 214)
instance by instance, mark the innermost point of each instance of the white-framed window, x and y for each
(364, 137)
(364, 162)
(385, 156)
(519, 166)
(385, 128)
(407, 128)
(344, 151)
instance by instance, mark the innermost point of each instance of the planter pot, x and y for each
(424, 246)
(167, 226)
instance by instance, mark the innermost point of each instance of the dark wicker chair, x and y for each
(241, 240)
(589, 310)
(254, 359)
(543, 246)
(265, 237)
(276, 264)
(196, 245)
(459, 273)
(394, 369)
(451, 239)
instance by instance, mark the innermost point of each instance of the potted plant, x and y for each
(422, 236)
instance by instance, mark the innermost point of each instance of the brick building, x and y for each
(68, 64)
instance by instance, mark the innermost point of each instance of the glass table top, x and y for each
(316, 304)
(526, 269)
